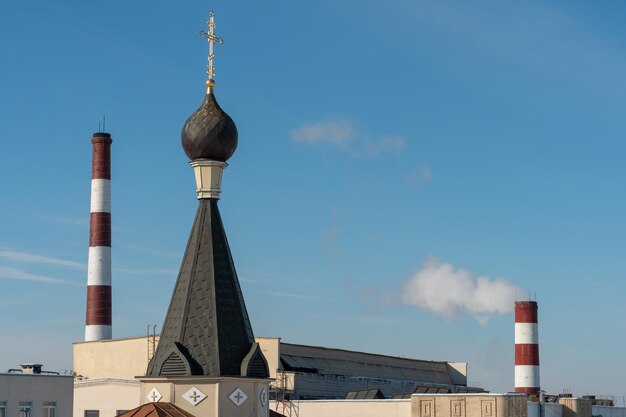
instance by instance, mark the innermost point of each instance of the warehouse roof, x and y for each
(328, 361)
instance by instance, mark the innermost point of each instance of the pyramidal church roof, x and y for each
(207, 330)
(157, 410)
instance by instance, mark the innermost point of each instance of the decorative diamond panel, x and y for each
(194, 396)
(154, 395)
(238, 397)
(263, 397)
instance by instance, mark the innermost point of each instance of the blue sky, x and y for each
(376, 139)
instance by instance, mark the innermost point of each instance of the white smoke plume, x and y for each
(450, 292)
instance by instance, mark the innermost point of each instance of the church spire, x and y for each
(207, 330)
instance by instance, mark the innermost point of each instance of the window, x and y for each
(117, 413)
(92, 413)
(23, 408)
(3, 409)
(49, 409)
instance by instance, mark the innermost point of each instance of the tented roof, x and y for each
(157, 410)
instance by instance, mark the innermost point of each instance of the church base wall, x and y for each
(209, 396)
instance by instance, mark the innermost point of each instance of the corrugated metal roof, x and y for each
(367, 365)
(366, 394)
(403, 396)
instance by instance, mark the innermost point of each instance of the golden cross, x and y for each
(212, 39)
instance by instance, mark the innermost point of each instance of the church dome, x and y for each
(209, 133)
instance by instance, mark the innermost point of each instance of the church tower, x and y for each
(207, 362)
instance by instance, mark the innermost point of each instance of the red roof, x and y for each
(157, 410)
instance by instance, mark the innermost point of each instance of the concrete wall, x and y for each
(117, 358)
(576, 407)
(106, 395)
(37, 389)
(420, 405)
(601, 411)
(348, 408)
(469, 405)
(550, 410)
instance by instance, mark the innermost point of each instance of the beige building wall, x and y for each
(117, 358)
(37, 388)
(348, 408)
(270, 346)
(128, 358)
(576, 407)
(469, 405)
(105, 395)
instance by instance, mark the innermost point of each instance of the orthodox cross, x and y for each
(212, 39)
(154, 397)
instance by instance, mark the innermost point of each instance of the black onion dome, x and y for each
(209, 133)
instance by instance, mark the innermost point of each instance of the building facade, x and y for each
(30, 392)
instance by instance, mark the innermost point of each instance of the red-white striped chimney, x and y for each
(98, 323)
(526, 348)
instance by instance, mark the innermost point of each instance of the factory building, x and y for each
(300, 372)
(327, 373)
(31, 391)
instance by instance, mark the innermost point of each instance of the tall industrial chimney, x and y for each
(98, 323)
(526, 348)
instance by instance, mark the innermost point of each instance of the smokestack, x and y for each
(98, 323)
(526, 348)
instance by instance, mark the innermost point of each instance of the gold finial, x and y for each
(212, 39)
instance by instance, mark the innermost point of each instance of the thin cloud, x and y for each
(295, 295)
(150, 251)
(384, 144)
(146, 271)
(25, 257)
(420, 174)
(443, 289)
(371, 320)
(329, 242)
(81, 221)
(19, 275)
(333, 132)
(344, 136)
(254, 275)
